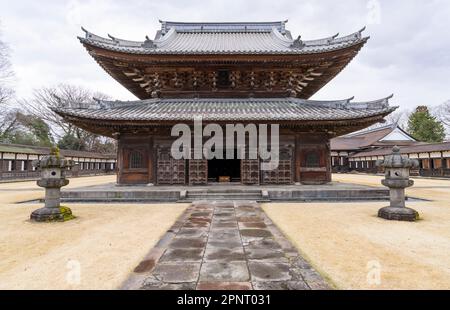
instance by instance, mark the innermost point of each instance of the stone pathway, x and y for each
(224, 245)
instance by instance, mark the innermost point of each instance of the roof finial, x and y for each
(87, 33)
(148, 43)
(358, 35)
(298, 43)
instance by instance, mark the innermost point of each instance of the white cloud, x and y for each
(406, 55)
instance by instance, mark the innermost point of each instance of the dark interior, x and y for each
(224, 167)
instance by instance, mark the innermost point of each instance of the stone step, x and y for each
(224, 194)
(221, 194)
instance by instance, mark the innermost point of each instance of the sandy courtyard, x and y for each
(355, 249)
(97, 250)
(346, 242)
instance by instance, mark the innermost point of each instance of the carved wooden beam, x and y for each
(156, 86)
(252, 80)
(213, 78)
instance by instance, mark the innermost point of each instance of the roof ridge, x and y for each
(334, 39)
(178, 40)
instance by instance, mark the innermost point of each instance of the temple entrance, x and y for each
(224, 170)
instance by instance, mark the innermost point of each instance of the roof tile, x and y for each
(245, 109)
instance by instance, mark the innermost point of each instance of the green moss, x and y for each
(55, 151)
(66, 214)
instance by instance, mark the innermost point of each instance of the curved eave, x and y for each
(333, 128)
(105, 58)
(319, 49)
(73, 116)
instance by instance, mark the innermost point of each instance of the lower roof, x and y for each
(245, 109)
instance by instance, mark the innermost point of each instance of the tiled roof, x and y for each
(223, 38)
(361, 139)
(366, 138)
(419, 148)
(246, 109)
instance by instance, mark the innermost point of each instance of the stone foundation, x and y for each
(398, 214)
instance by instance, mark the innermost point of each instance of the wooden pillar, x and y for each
(297, 158)
(151, 161)
(29, 164)
(327, 158)
(119, 167)
(17, 165)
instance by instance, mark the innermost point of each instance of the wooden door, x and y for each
(169, 171)
(250, 171)
(284, 173)
(198, 171)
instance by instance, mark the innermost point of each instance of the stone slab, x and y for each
(177, 272)
(224, 246)
(224, 286)
(224, 272)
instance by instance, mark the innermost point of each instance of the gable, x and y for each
(398, 135)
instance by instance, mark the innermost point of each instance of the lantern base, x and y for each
(398, 214)
(58, 214)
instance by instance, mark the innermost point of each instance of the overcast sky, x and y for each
(408, 53)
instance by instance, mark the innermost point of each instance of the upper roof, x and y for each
(245, 109)
(224, 38)
(385, 135)
(166, 26)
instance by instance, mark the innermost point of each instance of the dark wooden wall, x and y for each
(313, 159)
(304, 158)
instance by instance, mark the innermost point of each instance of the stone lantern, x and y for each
(397, 169)
(53, 177)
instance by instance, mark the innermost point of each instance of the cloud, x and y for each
(406, 55)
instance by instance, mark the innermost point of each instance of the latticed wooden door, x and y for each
(284, 173)
(249, 170)
(169, 170)
(198, 171)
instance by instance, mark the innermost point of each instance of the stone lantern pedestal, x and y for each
(53, 169)
(397, 169)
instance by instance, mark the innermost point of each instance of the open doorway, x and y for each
(223, 170)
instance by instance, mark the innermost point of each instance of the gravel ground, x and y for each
(355, 249)
(97, 250)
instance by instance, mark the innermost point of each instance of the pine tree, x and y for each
(425, 127)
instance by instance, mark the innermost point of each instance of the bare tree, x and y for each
(442, 113)
(68, 96)
(397, 118)
(7, 116)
